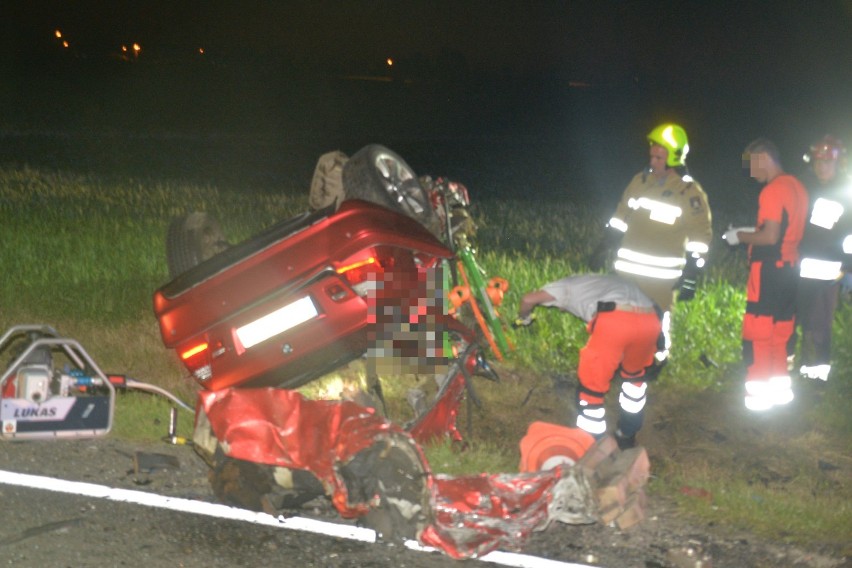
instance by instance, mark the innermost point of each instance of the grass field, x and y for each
(84, 253)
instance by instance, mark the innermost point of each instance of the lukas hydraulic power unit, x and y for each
(51, 387)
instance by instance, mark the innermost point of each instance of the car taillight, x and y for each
(196, 358)
(364, 270)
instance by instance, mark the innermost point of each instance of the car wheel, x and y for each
(391, 477)
(192, 239)
(378, 175)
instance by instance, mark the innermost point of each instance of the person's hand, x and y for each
(731, 237)
(523, 322)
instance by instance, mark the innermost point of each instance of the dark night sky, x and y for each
(801, 38)
(728, 70)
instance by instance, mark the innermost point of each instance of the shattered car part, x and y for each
(373, 470)
(365, 464)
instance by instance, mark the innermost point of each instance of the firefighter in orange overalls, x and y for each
(623, 328)
(773, 250)
(661, 229)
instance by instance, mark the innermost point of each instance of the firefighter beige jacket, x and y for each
(662, 220)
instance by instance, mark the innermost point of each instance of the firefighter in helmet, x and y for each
(825, 250)
(661, 229)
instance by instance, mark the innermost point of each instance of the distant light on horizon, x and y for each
(57, 33)
(201, 51)
(134, 48)
(389, 62)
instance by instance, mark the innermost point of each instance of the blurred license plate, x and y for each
(277, 322)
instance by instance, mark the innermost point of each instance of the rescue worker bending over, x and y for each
(827, 233)
(662, 229)
(623, 329)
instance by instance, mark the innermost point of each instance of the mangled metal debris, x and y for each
(272, 448)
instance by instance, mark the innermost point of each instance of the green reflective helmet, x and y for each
(673, 138)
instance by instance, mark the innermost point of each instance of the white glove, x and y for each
(730, 235)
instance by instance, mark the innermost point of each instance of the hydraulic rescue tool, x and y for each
(52, 388)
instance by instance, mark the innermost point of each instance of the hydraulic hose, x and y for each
(120, 381)
(138, 385)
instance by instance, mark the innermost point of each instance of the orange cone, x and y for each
(547, 445)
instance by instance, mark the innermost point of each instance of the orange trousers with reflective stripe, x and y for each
(769, 319)
(616, 339)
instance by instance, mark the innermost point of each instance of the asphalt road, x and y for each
(80, 503)
(51, 528)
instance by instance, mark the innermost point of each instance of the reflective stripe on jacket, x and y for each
(661, 220)
(827, 242)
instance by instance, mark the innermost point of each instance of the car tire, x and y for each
(192, 239)
(391, 477)
(378, 175)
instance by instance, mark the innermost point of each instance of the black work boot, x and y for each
(624, 442)
(628, 426)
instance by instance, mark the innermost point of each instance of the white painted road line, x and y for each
(232, 513)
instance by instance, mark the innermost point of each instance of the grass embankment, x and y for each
(85, 253)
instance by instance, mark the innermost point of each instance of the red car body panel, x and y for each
(470, 515)
(298, 258)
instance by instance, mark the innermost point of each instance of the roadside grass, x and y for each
(479, 457)
(142, 417)
(92, 248)
(811, 507)
(85, 253)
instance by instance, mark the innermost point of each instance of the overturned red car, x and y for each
(294, 302)
(362, 275)
(300, 299)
